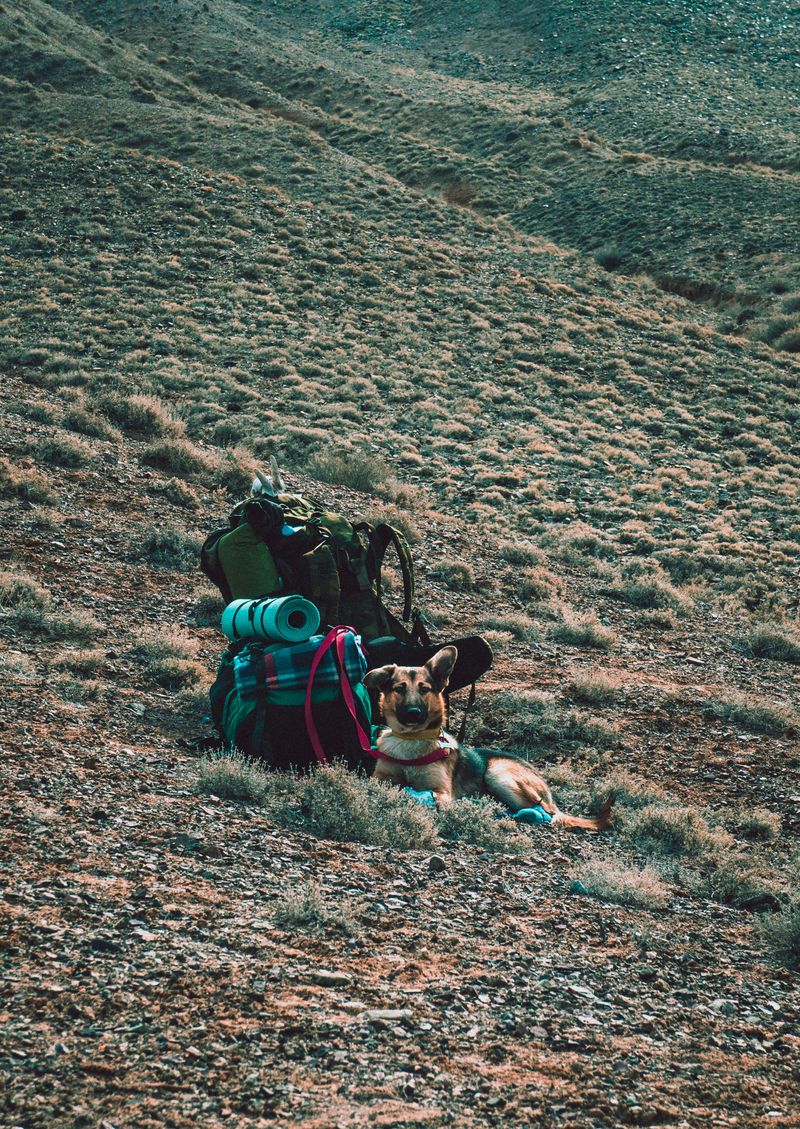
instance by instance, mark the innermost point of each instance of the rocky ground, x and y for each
(522, 282)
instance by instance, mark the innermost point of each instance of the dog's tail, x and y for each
(599, 823)
(517, 784)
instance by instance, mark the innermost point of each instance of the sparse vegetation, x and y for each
(479, 263)
(168, 658)
(773, 641)
(485, 824)
(612, 881)
(756, 715)
(583, 631)
(167, 547)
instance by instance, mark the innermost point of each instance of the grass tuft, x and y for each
(484, 823)
(756, 715)
(773, 641)
(336, 804)
(583, 631)
(639, 887)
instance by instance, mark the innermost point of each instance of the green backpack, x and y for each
(290, 544)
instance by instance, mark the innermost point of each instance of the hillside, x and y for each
(523, 278)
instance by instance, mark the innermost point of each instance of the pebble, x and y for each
(329, 979)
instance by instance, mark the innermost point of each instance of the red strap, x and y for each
(347, 690)
(335, 637)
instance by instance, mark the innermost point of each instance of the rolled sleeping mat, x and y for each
(283, 619)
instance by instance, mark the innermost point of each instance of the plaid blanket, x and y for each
(286, 666)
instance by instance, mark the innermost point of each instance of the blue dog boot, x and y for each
(533, 816)
(424, 798)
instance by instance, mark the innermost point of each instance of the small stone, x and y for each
(436, 864)
(387, 1015)
(329, 979)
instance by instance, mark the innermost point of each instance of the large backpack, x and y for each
(291, 705)
(290, 544)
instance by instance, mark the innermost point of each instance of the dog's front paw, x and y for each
(424, 798)
(532, 815)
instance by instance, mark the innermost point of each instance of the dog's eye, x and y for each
(401, 689)
(424, 689)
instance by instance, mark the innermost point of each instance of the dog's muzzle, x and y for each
(411, 715)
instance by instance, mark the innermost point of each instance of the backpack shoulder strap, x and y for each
(380, 538)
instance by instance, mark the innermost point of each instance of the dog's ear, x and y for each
(380, 677)
(440, 667)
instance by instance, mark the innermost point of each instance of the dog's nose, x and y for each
(411, 714)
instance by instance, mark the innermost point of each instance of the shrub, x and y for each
(208, 611)
(458, 576)
(167, 546)
(532, 719)
(308, 906)
(177, 492)
(78, 419)
(358, 470)
(20, 591)
(782, 933)
(176, 455)
(233, 777)
(595, 689)
(623, 885)
(517, 624)
(757, 823)
(537, 584)
(234, 472)
(773, 641)
(397, 517)
(29, 483)
(756, 715)
(646, 586)
(583, 631)
(521, 553)
(78, 626)
(484, 823)
(657, 829)
(630, 791)
(63, 450)
(167, 658)
(83, 663)
(731, 883)
(336, 804)
(140, 415)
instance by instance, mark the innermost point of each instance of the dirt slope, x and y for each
(432, 257)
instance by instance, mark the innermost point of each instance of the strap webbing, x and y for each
(334, 639)
(462, 732)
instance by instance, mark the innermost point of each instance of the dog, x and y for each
(415, 749)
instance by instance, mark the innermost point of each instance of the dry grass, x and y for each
(335, 804)
(613, 881)
(774, 641)
(485, 824)
(583, 631)
(167, 657)
(756, 715)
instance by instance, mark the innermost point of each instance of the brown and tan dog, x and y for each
(415, 749)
